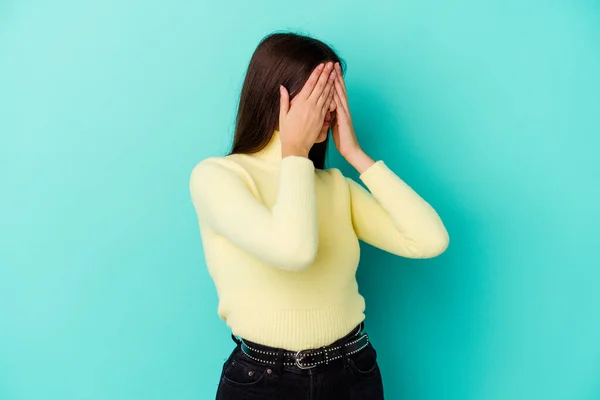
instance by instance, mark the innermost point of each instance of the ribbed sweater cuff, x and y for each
(297, 180)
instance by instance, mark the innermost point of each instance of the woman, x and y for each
(280, 232)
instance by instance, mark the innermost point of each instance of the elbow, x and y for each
(429, 246)
(441, 244)
(303, 256)
(435, 245)
(301, 262)
(299, 256)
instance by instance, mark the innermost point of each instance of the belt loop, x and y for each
(279, 362)
(325, 354)
(344, 355)
(236, 340)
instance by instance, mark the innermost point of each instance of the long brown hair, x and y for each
(281, 58)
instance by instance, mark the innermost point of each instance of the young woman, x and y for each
(280, 232)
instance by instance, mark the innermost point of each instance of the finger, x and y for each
(332, 105)
(340, 111)
(322, 82)
(327, 103)
(284, 103)
(312, 81)
(342, 100)
(322, 101)
(329, 100)
(338, 69)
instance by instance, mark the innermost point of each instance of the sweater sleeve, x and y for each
(285, 236)
(393, 217)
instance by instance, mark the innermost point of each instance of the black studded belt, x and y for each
(306, 359)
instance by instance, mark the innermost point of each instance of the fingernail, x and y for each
(329, 64)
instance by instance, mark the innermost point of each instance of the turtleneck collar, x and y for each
(271, 153)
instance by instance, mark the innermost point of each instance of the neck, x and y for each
(272, 151)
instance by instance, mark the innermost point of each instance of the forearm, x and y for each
(418, 229)
(285, 235)
(359, 160)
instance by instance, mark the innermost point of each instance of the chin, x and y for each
(322, 136)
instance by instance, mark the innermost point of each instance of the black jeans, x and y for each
(353, 377)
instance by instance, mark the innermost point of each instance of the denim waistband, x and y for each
(356, 331)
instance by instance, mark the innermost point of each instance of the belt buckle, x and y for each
(300, 358)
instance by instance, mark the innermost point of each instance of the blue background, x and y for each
(489, 109)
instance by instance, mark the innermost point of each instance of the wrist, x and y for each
(353, 154)
(294, 151)
(359, 160)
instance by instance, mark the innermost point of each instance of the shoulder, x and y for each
(223, 166)
(333, 176)
(218, 171)
(333, 173)
(343, 183)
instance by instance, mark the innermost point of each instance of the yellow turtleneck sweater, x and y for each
(280, 239)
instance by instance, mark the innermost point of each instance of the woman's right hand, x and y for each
(300, 124)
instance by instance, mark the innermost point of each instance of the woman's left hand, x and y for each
(341, 124)
(342, 129)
